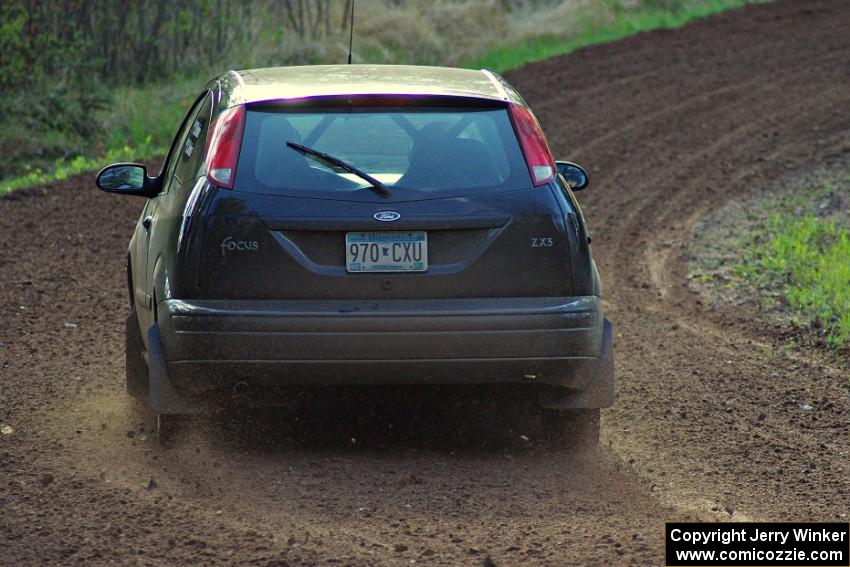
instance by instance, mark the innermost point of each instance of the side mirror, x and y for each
(125, 178)
(574, 174)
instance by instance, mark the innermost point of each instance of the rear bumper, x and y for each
(556, 341)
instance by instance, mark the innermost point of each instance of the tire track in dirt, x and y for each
(666, 217)
(662, 267)
(705, 424)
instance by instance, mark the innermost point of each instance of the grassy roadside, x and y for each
(140, 122)
(805, 261)
(598, 27)
(788, 254)
(138, 126)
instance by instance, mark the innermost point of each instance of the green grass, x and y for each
(138, 126)
(807, 261)
(148, 116)
(598, 29)
(63, 169)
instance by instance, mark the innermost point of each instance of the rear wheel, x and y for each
(167, 426)
(135, 366)
(577, 428)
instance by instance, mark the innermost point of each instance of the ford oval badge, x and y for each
(386, 216)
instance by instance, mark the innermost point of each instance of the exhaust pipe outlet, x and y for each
(240, 389)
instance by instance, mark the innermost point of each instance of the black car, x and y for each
(363, 225)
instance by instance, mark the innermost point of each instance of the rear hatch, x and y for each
(461, 216)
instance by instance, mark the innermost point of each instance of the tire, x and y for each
(574, 428)
(167, 427)
(135, 367)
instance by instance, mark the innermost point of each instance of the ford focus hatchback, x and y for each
(363, 225)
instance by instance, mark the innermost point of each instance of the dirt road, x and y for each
(708, 425)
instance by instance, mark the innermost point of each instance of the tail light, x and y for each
(223, 146)
(538, 157)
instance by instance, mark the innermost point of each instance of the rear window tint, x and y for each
(416, 153)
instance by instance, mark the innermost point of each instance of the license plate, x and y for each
(386, 251)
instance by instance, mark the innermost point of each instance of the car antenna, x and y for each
(351, 32)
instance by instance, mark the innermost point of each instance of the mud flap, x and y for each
(163, 398)
(599, 392)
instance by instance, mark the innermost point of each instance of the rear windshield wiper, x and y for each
(335, 163)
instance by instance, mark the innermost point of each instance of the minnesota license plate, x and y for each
(386, 251)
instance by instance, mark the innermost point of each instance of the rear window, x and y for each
(415, 153)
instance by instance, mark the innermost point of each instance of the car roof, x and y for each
(299, 82)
